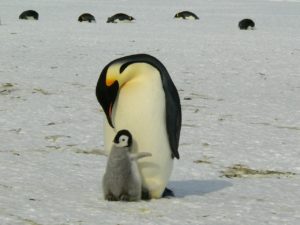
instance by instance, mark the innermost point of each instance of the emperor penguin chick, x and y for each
(122, 180)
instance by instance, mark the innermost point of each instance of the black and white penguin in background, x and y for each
(137, 93)
(186, 15)
(120, 18)
(246, 24)
(29, 15)
(87, 17)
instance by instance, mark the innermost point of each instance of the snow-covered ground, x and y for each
(240, 93)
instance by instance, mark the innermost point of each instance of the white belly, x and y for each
(30, 18)
(122, 21)
(140, 108)
(190, 18)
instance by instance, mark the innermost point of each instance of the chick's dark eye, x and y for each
(123, 139)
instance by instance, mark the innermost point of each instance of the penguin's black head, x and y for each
(114, 76)
(123, 138)
(106, 94)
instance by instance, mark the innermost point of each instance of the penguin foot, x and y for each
(124, 197)
(110, 197)
(145, 194)
(168, 193)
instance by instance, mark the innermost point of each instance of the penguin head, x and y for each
(106, 92)
(116, 74)
(123, 139)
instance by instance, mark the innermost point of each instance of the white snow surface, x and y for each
(240, 95)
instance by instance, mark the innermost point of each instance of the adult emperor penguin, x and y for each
(136, 93)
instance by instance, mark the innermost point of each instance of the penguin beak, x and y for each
(106, 96)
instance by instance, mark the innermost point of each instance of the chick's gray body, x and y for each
(121, 180)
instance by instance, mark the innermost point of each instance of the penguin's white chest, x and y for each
(190, 18)
(140, 108)
(122, 21)
(30, 18)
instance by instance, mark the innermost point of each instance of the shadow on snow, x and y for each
(197, 187)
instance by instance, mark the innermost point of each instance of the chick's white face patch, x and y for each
(123, 141)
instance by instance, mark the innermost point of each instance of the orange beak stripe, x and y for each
(109, 82)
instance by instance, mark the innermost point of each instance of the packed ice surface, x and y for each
(240, 95)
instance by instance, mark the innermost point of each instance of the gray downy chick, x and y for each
(122, 179)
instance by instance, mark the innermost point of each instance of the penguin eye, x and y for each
(123, 138)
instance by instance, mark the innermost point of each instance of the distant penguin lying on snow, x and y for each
(29, 15)
(245, 24)
(122, 180)
(119, 17)
(86, 17)
(186, 15)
